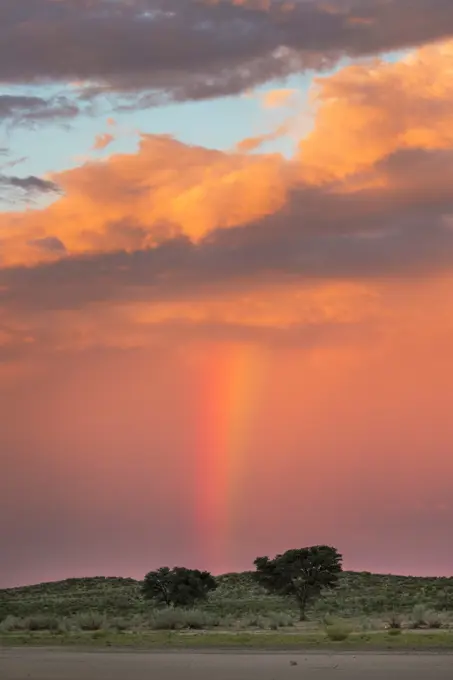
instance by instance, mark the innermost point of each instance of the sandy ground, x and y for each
(34, 664)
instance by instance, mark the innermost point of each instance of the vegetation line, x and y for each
(299, 600)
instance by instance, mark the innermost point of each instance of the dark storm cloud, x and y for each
(50, 243)
(30, 183)
(183, 49)
(319, 235)
(14, 188)
(28, 109)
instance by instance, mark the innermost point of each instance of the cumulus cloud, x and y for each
(189, 49)
(393, 133)
(365, 112)
(183, 229)
(166, 188)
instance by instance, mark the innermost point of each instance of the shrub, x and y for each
(254, 621)
(12, 623)
(90, 621)
(370, 624)
(394, 622)
(435, 620)
(337, 632)
(281, 620)
(328, 619)
(178, 619)
(198, 620)
(31, 623)
(64, 625)
(42, 622)
(418, 619)
(119, 623)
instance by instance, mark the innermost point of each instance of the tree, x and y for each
(177, 587)
(302, 573)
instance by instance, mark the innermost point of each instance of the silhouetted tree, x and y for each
(177, 587)
(302, 573)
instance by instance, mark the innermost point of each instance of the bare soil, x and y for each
(46, 664)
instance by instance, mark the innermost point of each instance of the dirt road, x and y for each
(34, 664)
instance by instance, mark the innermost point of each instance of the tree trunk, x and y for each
(302, 608)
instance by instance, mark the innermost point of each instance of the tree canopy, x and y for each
(177, 587)
(300, 573)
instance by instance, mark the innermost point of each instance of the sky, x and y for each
(226, 284)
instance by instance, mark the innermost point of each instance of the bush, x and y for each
(42, 622)
(435, 620)
(12, 623)
(178, 619)
(119, 624)
(255, 621)
(282, 620)
(198, 620)
(30, 623)
(394, 622)
(418, 619)
(367, 624)
(337, 632)
(64, 625)
(90, 621)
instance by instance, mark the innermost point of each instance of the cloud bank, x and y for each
(189, 49)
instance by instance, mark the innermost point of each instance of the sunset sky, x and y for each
(226, 284)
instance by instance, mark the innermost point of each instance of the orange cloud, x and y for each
(102, 141)
(366, 112)
(275, 98)
(135, 200)
(252, 143)
(284, 221)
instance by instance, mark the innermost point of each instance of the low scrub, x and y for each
(394, 622)
(425, 618)
(12, 623)
(338, 632)
(30, 623)
(90, 621)
(179, 619)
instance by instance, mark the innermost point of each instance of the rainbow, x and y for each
(232, 384)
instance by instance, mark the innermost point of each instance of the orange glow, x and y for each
(231, 382)
(217, 355)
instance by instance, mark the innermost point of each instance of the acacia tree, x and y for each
(302, 573)
(177, 587)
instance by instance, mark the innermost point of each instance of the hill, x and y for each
(358, 595)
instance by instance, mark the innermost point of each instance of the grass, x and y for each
(366, 611)
(442, 640)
